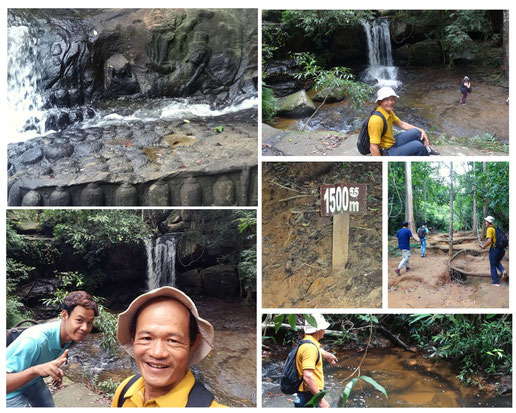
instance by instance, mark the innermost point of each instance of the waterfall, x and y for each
(379, 52)
(161, 261)
(24, 102)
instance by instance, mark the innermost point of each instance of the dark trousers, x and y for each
(495, 256)
(464, 96)
(408, 143)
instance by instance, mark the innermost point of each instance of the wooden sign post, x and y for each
(340, 201)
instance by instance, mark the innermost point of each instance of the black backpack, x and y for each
(290, 380)
(363, 137)
(421, 233)
(501, 239)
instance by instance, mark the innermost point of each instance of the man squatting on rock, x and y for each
(41, 350)
(412, 142)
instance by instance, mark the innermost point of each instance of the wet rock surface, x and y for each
(115, 155)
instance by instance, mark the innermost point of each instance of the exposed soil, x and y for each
(429, 285)
(297, 240)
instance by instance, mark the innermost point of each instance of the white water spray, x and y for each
(161, 261)
(379, 53)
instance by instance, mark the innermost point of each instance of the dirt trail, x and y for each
(297, 240)
(428, 284)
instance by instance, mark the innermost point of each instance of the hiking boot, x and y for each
(408, 269)
(496, 284)
(397, 271)
(432, 151)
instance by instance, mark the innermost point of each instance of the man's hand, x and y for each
(52, 368)
(424, 138)
(332, 359)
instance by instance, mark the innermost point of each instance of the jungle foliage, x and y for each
(431, 196)
(474, 343)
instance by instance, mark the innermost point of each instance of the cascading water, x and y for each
(161, 261)
(24, 102)
(379, 52)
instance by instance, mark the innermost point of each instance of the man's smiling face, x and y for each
(162, 345)
(388, 103)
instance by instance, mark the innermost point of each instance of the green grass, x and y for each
(485, 141)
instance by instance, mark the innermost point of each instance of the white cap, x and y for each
(489, 219)
(322, 324)
(385, 92)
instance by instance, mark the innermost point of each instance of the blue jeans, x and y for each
(37, 395)
(495, 256)
(423, 247)
(304, 397)
(408, 143)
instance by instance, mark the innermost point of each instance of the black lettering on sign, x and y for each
(343, 198)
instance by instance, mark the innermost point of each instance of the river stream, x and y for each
(409, 379)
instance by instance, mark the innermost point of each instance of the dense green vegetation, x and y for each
(477, 344)
(431, 194)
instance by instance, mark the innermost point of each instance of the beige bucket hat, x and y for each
(322, 324)
(385, 92)
(125, 320)
(489, 219)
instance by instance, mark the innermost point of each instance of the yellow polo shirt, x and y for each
(305, 360)
(375, 129)
(177, 397)
(491, 233)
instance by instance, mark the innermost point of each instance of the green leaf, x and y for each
(347, 390)
(277, 322)
(314, 401)
(374, 384)
(310, 319)
(219, 129)
(291, 318)
(269, 338)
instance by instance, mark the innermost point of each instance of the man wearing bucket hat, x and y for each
(495, 254)
(412, 142)
(163, 332)
(309, 363)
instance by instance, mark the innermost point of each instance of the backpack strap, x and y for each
(380, 114)
(199, 396)
(121, 397)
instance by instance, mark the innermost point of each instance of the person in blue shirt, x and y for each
(41, 350)
(404, 236)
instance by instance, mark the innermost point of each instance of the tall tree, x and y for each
(506, 43)
(409, 206)
(484, 229)
(475, 218)
(450, 239)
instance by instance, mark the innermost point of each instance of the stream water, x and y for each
(409, 379)
(229, 371)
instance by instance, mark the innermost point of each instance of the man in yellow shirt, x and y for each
(495, 254)
(412, 142)
(309, 363)
(162, 330)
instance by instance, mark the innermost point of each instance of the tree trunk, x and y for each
(409, 207)
(475, 218)
(506, 43)
(424, 197)
(484, 229)
(450, 240)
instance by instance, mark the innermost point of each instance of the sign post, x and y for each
(340, 201)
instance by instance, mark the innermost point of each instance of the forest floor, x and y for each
(429, 285)
(297, 240)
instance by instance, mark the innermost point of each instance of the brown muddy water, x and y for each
(429, 98)
(229, 371)
(409, 379)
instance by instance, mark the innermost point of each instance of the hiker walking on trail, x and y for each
(404, 236)
(421, 234)
(465, 88)
(309, 363)
(496, 249)
(163, 332)
(41, 350)
(412, 142)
